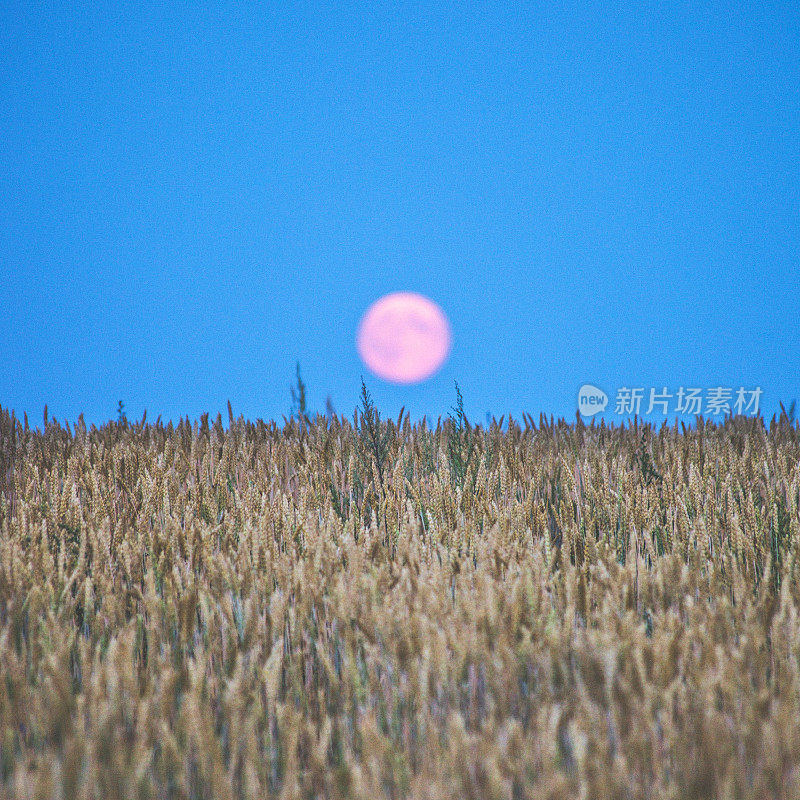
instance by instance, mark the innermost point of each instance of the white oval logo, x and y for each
(591, 400)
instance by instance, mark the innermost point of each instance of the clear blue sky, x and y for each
(193, 199)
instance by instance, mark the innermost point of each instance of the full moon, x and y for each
(404, 337)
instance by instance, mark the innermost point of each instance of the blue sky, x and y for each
(195, 198)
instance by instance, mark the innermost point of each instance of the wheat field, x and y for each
(366, 608)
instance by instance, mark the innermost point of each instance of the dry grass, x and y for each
(564, 612)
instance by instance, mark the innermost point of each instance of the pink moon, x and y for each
(404, 337)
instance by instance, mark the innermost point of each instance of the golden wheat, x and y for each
(190, 612)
